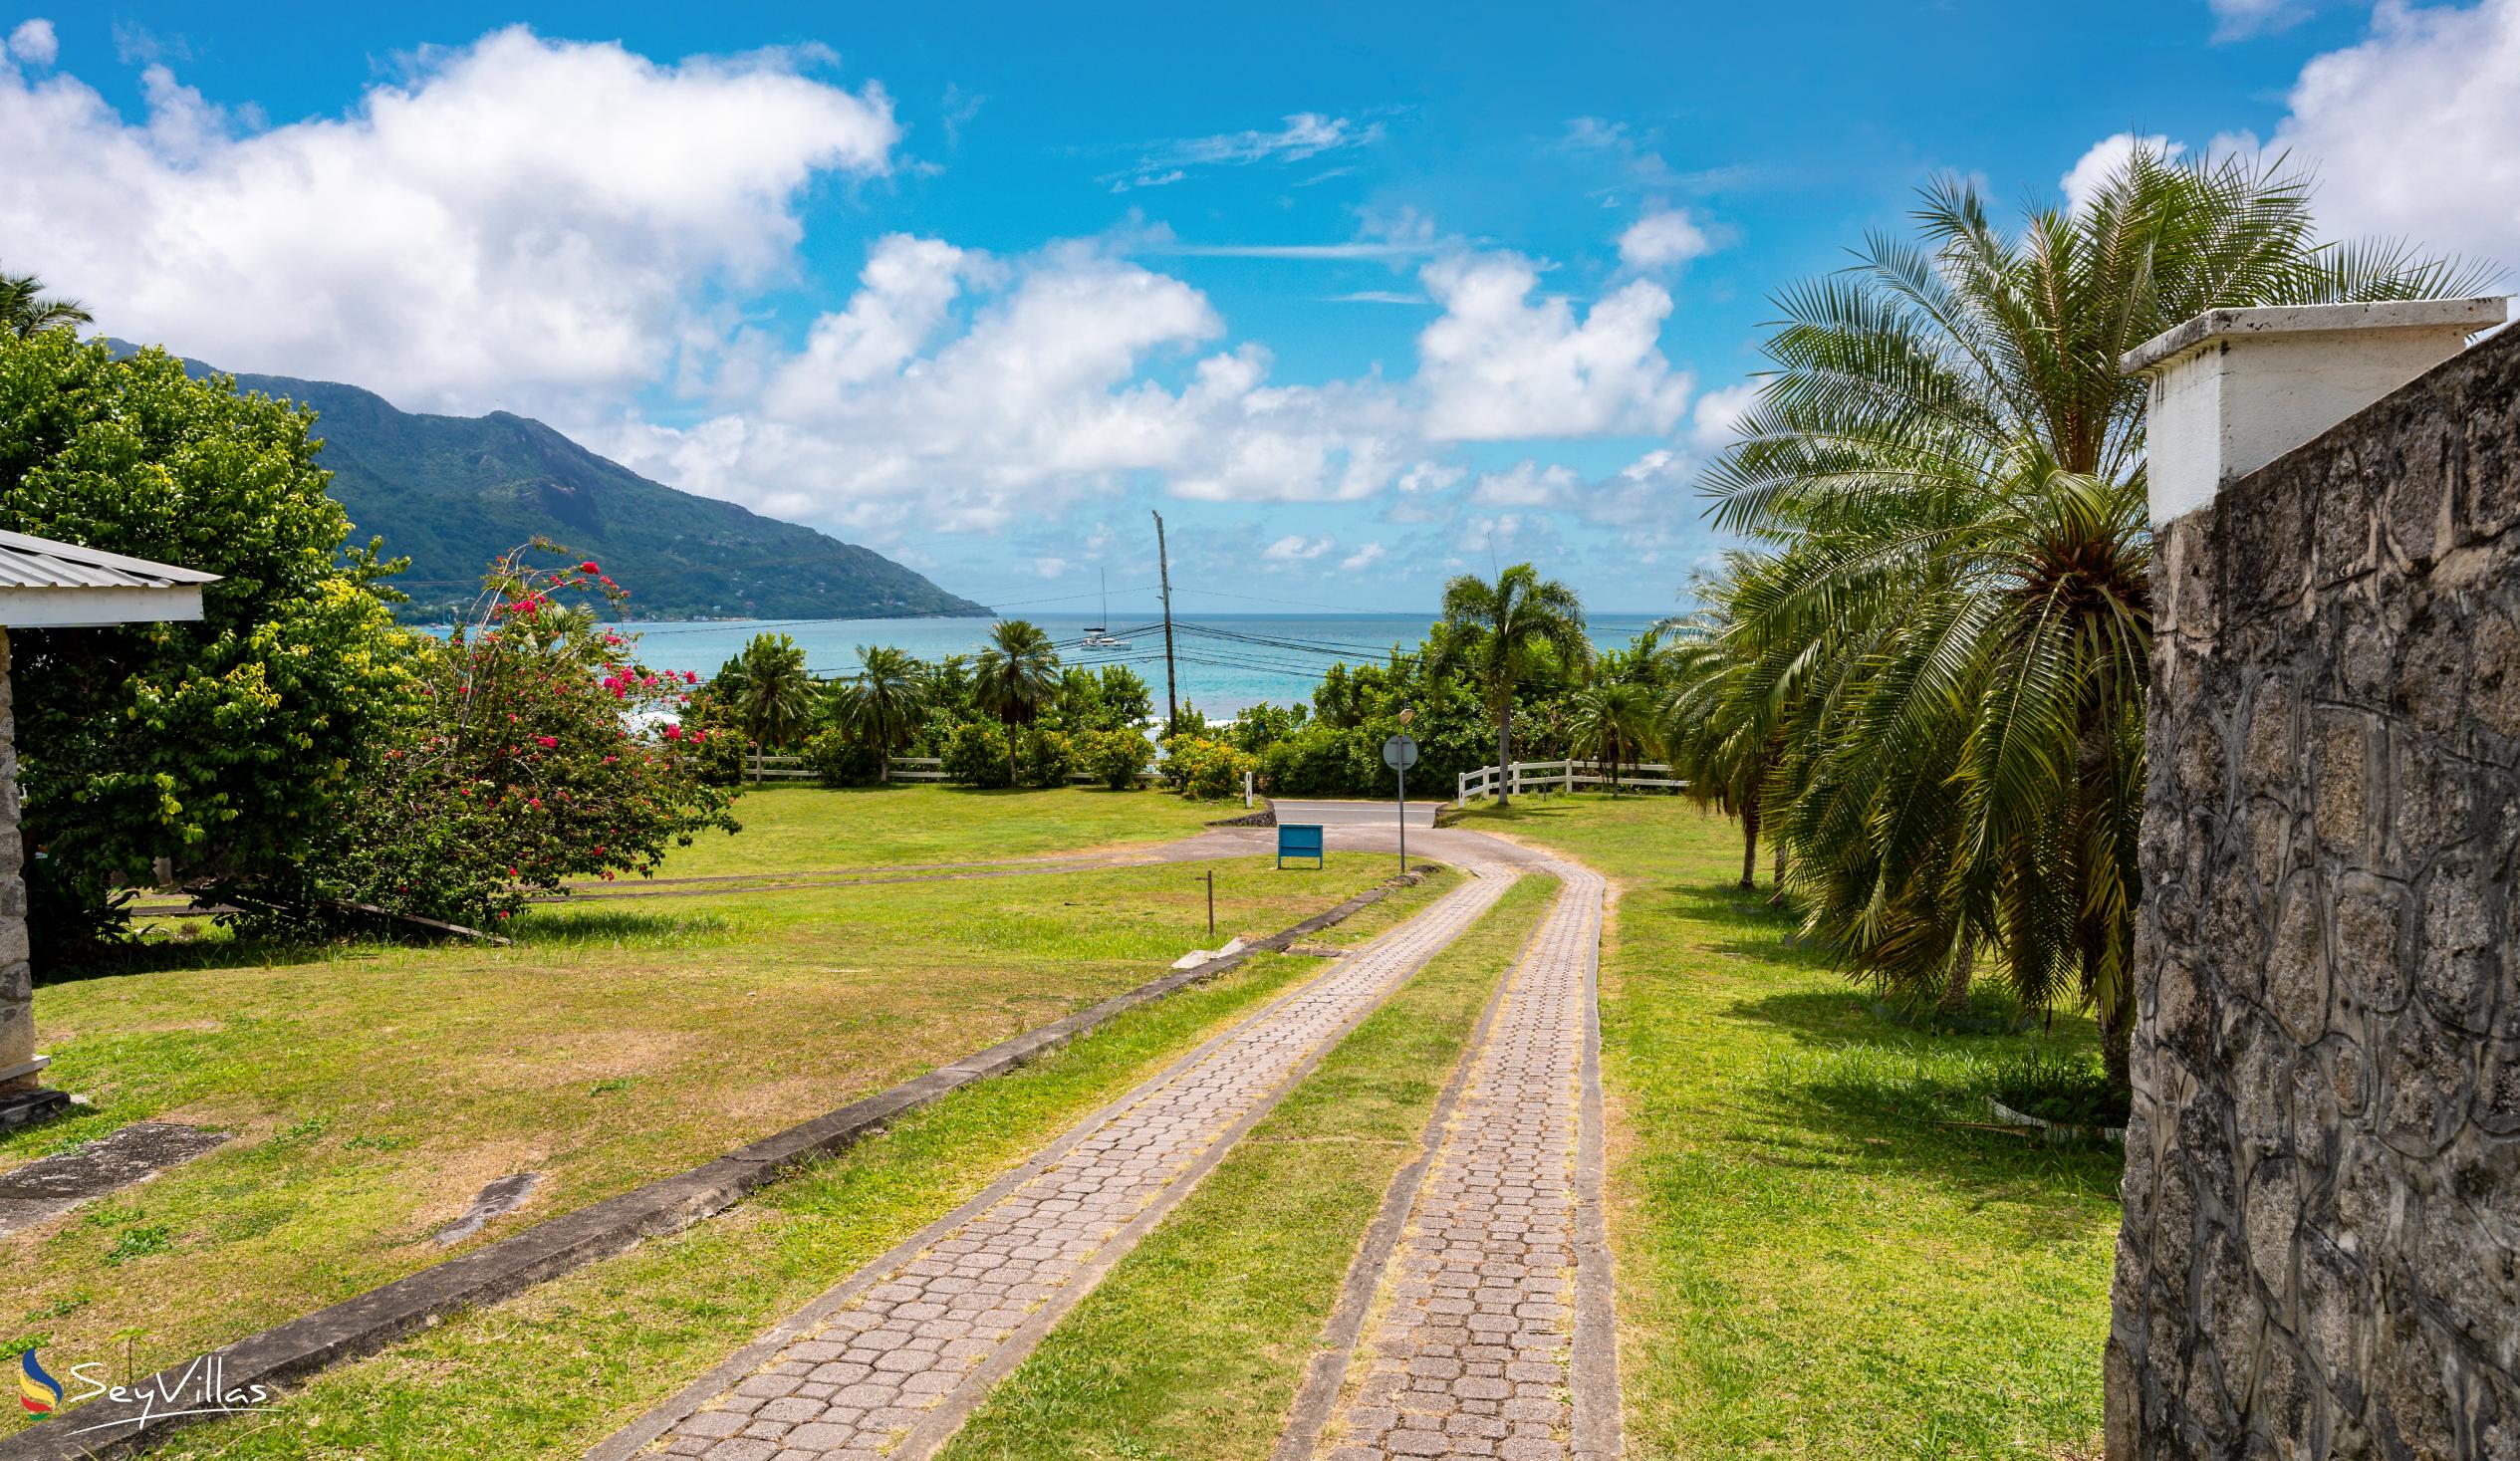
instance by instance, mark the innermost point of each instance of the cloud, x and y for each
(518, 215)
(1295, 548)
(1363, 558)
(1304, 134)
(2101, 161)
(2240, 19)
(1661, 240)
(2411, 132)
(1050, 568)
(34, 43)
(1716, 418)
(1527, 484)
(1376, 296)
(1500, 364)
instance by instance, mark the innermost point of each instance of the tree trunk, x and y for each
(1750, 842)
(1504, 740)
(1956, 988)
(2116, 1038)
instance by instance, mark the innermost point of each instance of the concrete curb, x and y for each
(1599, 1433)
(362, 1325)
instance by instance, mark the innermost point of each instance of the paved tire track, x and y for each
(1492, 1329)
(891, 1361)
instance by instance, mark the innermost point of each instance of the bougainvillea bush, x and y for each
(533, 749)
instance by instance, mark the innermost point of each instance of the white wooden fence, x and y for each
(1562, 775)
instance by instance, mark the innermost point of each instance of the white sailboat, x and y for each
(1100, 636)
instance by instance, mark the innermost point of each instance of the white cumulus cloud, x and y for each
(2412, 132)
(34, 43)
(1661, 240)
(2083, 181)
(1296, 548)
(1500, 364)
(517, 213)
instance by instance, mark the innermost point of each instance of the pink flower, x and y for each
(549, 742)
(690, 676)
(673, 733)
(512, 872)
(589, 567)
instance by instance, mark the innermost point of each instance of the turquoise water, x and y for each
(1222, 662)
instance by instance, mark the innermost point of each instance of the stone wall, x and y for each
(2322, 1246)
(17, 984)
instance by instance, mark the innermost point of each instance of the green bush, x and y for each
(1045, 757)
(976, 754)
(1116, 757)
(1205, 770)
(1315, 761)
(838, 761)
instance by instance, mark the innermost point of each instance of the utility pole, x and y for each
(1164, 570)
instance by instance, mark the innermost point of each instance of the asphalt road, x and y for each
(1355, 814)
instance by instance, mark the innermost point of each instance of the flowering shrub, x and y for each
(534, 748)
(976, 754)
(1205, 770)
(1116, 757)
(1046, 758)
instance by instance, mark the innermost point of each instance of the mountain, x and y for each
(452, 493)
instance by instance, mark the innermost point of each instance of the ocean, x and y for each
(1223, 662)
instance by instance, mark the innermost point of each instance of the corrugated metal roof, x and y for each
(41, 562)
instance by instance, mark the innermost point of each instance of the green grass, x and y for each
(373, 1090)
(1815, 1256)
(556, 1370)
(801, 828)
(1192, 1348)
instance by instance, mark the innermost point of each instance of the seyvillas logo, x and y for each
(39, 1393)
(199, 1388)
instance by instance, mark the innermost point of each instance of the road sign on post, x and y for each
(1400, 753)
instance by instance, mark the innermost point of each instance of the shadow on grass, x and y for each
(1853, 1092)
(558, 925)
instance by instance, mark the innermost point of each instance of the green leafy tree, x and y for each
(221, 744)
(1015, 676)
(1505, 633)
(1045, 757)
(25, 310)
(976, 754)
(1950, 469)
(884, 703)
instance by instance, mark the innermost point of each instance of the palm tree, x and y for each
(1722, 725)
(1015, 676)
(769, 690)
(26, 313)
(884, 703)
(1501, 631)
(1613, 720)
(1950, 471)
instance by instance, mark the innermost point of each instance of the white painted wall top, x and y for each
(2234, 389)
(49, 585)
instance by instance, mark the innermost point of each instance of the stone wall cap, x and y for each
(2482, 311)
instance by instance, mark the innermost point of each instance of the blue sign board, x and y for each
(1299, 840)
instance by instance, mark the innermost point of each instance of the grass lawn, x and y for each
(1192, 1348)
(800, 827)
(373, 1088)
(551, 1372)
(1813, 1261)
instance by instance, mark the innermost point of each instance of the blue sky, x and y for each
(1358, 296)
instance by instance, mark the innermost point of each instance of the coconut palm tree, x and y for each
(26, 313)
(882, 704)
(1614, 721)
(1950, 469)
(768, 689)
(1722, 724)
(1014, 676)
(1502, 634)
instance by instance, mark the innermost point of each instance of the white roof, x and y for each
(61, 585)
